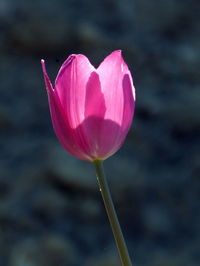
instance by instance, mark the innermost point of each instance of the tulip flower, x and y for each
(91, 111)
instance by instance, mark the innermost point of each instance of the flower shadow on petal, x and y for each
(94, 100)
(129, 103)
(98, 137)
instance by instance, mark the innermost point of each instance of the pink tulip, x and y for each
(91, 109)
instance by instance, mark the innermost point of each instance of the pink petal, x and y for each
(71, 85)
(79, 91)
(119, 94)
(110, 75)
(65, 134)
(48, 84)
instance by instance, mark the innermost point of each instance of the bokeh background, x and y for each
(51, 211)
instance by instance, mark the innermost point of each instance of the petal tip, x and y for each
(119, 52)
(42, 61)
(43, 66)
(46, 78)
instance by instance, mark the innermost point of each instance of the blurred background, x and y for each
(51, 211)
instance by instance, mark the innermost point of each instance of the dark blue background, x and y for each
(50, 207)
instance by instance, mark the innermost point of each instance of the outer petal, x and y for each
(110, 73)
(79, 91)
(119, 93)
(47, 81)
(71, 84)
(64, 133)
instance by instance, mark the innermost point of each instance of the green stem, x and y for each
(105, 192)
